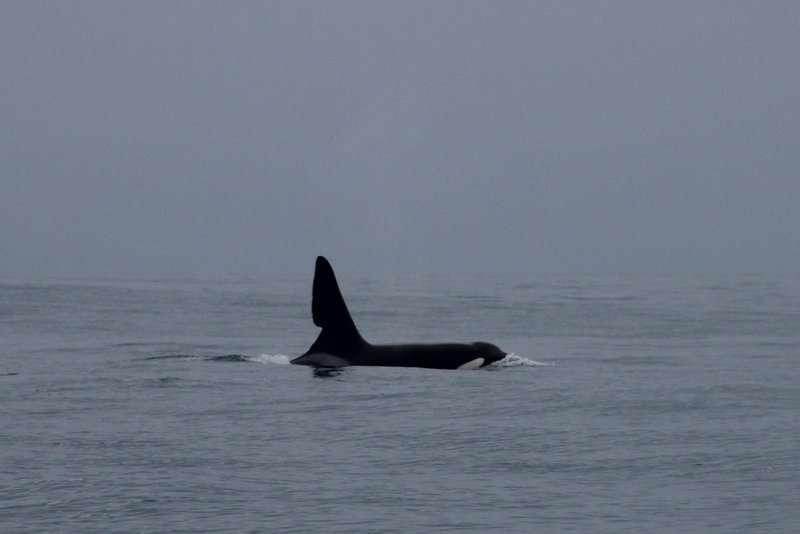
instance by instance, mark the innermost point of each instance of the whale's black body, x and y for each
(339, 344)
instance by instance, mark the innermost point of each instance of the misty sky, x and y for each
(399, 137)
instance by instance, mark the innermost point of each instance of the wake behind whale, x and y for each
(339, 344)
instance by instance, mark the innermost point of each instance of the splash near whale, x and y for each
(339, 344)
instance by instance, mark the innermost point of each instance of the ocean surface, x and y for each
(628, 404)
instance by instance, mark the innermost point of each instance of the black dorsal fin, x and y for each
(339, 333)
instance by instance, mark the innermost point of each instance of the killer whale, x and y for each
(339, 344)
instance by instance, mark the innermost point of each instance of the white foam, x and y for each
(276, 359)
(514, 360)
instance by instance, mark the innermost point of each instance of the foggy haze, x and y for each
(400, 137)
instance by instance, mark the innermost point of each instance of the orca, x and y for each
(339, 344)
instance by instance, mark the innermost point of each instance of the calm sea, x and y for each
(630, 404)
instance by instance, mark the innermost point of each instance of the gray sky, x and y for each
(407, 137)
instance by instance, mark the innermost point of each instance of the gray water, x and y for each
(629, 404)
